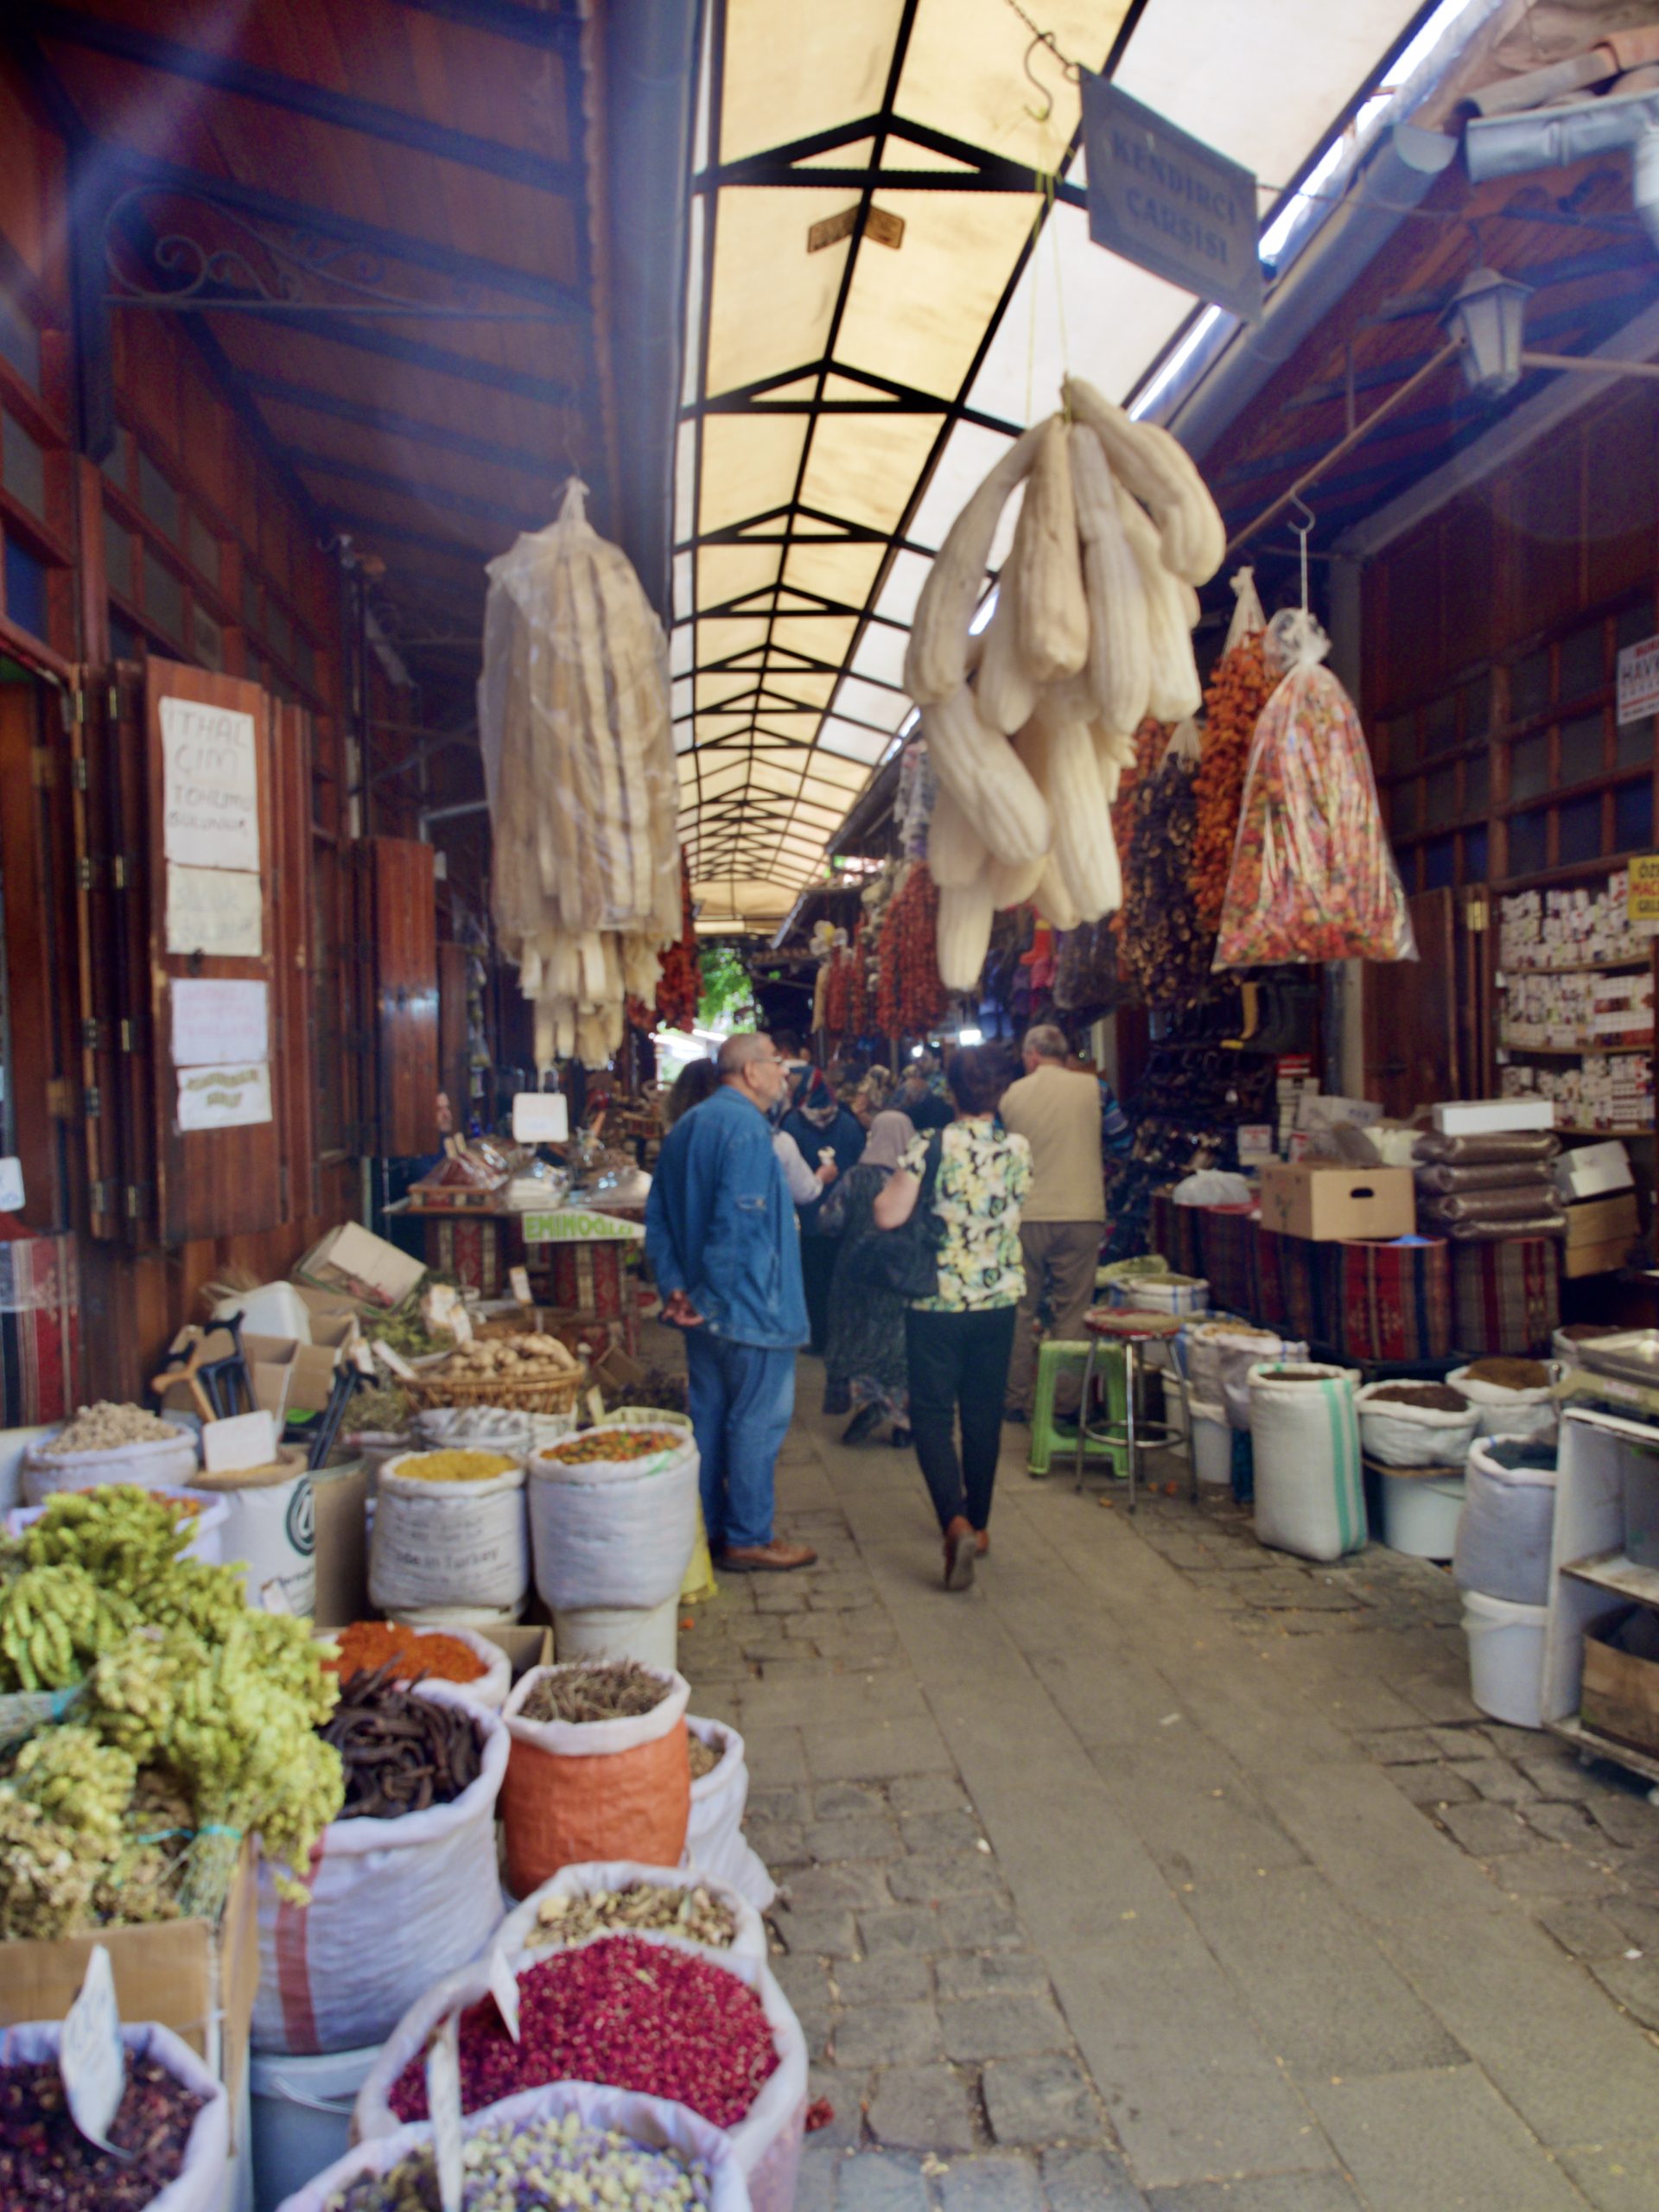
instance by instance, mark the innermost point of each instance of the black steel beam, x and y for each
(453, 548)
(506, 19)
(391, 424)
(415, 487)
(342, 111)
(349, 230)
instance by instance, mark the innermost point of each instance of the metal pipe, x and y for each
(448, 813)
(1589, 363)
(1345, 446)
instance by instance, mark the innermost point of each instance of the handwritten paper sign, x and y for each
(91, 2057)
(443, 2102)
(504, 1988)
(214, 910)
(210, 786)
(231, 1097)
(214, 1021)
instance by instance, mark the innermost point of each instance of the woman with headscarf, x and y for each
(821, 1125)
(864, 1351)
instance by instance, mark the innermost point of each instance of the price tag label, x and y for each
(461, 1322)
(443, 2102)
(91, 2057)
(518, 1282)
(595, 1406)
(504, 1988)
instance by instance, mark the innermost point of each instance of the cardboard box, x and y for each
(1599, 1221)
(339, 1496)
(289, 1376)
(1330, 1203)
(368, 1270)
(1620, 1695)
(1595, 1259)
(194, 1976)
(1484, 1118)
(1590, 1170)
(526, 1647)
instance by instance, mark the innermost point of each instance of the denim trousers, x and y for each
(741, 1397)
(958, 1360)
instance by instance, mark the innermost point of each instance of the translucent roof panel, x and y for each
(886, 289)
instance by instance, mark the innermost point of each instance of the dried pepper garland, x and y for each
(910, 997)
(1239, 689)
(1166, 954)
(679, 987)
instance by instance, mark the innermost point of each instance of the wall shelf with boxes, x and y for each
(1600, 1687)
(1595, 1014)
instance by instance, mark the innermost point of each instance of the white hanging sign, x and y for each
(214, 910)
(91, 2057)
(231, 1097)
(1638, 682)
(210, 786)
(215, 1021)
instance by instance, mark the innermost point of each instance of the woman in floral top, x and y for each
(958, 1341)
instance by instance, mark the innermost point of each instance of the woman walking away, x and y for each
(958, 1339)
(864, 1351)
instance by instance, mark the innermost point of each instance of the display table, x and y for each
(477, 1246)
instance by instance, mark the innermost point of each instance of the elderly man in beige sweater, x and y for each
(1058, 1112)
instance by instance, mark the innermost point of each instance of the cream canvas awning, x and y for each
(887, 281)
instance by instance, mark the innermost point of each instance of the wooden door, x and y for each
(455, 1055)
(398, 996)
(1412, 1017)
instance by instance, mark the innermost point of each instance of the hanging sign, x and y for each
(1642, 892)
(214, 910)
(210, 786)
(215, 1021)
(232, 1097)
(1638, 682)
(1168, 202)
(91, 2057)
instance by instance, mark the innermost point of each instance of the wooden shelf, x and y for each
(1590, 1743)
(1577, 967)
(1580, 1052)
(1612, 1571)
(1578, 1129)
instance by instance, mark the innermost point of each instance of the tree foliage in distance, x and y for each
(726, 988)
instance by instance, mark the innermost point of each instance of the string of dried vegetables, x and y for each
(1239, 688)
(680, 985)
(1166, 954)
(911, 997)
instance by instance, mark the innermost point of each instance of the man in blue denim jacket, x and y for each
(723, 1245)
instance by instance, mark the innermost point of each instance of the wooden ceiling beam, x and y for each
(391, 424)
(506, 19)
(342, 111)
(414, 487)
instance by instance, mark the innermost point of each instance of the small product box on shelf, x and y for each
(1332, 1203)
(1590, 1170)
(1484, 1118)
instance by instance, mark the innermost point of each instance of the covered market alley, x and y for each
(1064, 598)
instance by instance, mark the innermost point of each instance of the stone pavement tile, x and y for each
(1401, 1747)
(1498, 1782)
(1616, 2176)
(985, 1973)
(1588, 1931)
(1558, 1778)
(1088, 2181)
(1552, 1869)
(1469, 1744)
(1633, 1983)
(830, 1934)
(979, 1924)
(1306, 2192)
(1200, 1818)
(780, 1843)
(864, 1836)
(1560, 1823)
(855, 1884)
(1438, 1699)
(776, 1753)
(877, 2183)
(1327, 2000)
(888, 2035)
(979, 2028)
(939, 1830)
(1441, 2139)
(860, 1751)
(1526, 1744)
(803, 1978)
(926, 1878)
(1486, 1830)
(1638, 1920)
(909, 1928)
(792, 1803)
(1190, 2084)
(1431, 1785)
(844, 2094)
(1629, 1821)
(844, 1801)
(897, 1979)
(922, 2108)
(1535, 2022)
(817, 2182)
(926, 1793)
(1374, 1847)
(991, 2184)
(1034, 2101)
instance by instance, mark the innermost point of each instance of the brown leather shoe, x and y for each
(775, 1558)
(959, 1553)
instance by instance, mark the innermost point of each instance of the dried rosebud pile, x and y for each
(47, 2165)
(628, 2014)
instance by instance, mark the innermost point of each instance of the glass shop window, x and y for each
(1633, 816)
(1529, 766)
(1583, 748)
(1582, 663)
(1529, 687)
(25, 593)
(20, 342)
(1529, 842)
(158, 499)
(24, 462)
(1577, 830)
(163, 596)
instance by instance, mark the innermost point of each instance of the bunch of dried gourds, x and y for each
(574, 718)
(1090, 632)
(1239, 688)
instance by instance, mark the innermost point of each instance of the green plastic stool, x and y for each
(1054, 1356)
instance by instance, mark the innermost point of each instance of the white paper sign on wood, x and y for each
(214, 910)
(215, 1021)
(210, 786)
(239, 1440)
(231, 1097)
(91, 2057)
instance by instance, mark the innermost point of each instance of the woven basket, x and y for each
(558, 1394)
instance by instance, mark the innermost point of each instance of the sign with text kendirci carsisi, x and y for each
(1170, 203)
(210, 786)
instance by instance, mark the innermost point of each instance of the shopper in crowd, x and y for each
(871, 1097)
(697, 1080)
(1059, 1114)
(927, 1107)
(821, 1126)
(722, 1243)
(958, 1339)
(864, 1351)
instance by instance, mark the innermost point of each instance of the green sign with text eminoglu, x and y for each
(1170, 203)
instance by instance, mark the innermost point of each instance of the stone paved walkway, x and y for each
(1163, 1872)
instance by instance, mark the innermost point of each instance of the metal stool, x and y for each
(1124, 1331)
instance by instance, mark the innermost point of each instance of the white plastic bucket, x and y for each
(1212, 1445)
(1420, 1514)
(649, 1634)
(271, 1528)
(301, 2117)
(1506, 1658)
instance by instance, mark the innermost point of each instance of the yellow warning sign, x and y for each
(1643, 897)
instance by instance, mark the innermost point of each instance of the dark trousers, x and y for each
(958, 1360)
(818, 1270)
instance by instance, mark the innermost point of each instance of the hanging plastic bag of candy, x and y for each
(1312, 875)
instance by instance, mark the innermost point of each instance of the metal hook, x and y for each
(1302, 528)
(1069, 70)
